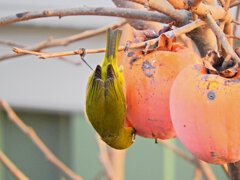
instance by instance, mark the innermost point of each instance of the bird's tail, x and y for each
(113, 38)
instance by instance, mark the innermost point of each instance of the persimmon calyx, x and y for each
(214, 64)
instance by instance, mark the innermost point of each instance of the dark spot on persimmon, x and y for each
(206, 76)
(148, 69)
(213, 154)
(130, 54)
(211, 95)
(132, 61)
(208, 86)
(231, 81)
(184, 125)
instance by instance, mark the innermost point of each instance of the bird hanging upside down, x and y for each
(105, 101)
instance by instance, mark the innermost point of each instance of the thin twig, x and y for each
(236, 20)
(225, 169)
(11, 167)
(234, 37)
(104, 158)
(236, 3)
(11, 43)
(219, 33)
(178, 151)
(38, 142)
(100, 11)
(175, 32)
(206, 170)
(50, 42)
(197, 174)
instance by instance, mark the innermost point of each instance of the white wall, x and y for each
(45, 84)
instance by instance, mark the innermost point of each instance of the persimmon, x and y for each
(148, 80)
(204, 108)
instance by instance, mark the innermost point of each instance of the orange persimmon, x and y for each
(148, 80)
(204, 109)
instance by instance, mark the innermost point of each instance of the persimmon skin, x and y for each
(205, 114)
(148, 80)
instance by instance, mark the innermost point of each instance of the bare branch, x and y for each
(171, 34)
(216, 29)
(178, 151)
(38, 142)
(225, 169)
(104, 158)
(11, 43)
(11, 167)
(200, 9)
(236, 3)
(197, 174)
(164, 7)
(236, 21)
(137, 24)
(101, 11)
(50, 42)
(234, 37)
(206, 170)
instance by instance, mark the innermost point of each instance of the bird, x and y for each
(105, 98)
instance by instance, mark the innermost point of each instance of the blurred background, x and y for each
(49, 96)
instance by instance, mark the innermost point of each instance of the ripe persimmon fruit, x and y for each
(204, 108)
(148, 80)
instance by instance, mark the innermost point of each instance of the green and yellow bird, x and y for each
(105, 101)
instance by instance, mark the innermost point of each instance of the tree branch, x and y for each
(11, 167)
(11, 43)
(206, 170)
(38, 142)
(101, 11)
(200, 8)
(137, 24)
(219, 33)
(236, 3)
(104, 159)
(173, 33)
(181, 17)
(50, 42)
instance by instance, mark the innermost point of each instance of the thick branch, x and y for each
(199, 8)
(101, 11)
(137, 24)
(33, 136)
(11, 167)
(164, 7)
